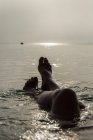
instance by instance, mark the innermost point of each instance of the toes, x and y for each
(47, 65)
(44, 63)
(35, 82)
(41, 60)
(46, 60)
(31, 84)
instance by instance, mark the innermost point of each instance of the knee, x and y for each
(65, 104)
(66, 96)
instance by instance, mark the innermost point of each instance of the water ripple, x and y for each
(21, 113)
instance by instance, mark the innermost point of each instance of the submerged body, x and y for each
(62, 103)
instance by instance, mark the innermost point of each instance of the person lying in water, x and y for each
(62, 102)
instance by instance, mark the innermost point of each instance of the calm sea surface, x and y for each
(20, 116)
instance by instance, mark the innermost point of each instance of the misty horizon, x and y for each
(38, 21)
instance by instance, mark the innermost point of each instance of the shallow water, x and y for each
(20, 116)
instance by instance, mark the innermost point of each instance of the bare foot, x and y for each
(31, 84)
(45, 70)
(44, 67)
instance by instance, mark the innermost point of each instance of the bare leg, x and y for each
(62, 102)
(45, 70)
(48, 84)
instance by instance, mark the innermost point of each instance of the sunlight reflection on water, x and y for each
(49, 44)
(19, 114)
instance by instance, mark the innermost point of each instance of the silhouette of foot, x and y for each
(44, 67)
(31, 84)
(45, 70)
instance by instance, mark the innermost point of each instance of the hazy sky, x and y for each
(46, 20)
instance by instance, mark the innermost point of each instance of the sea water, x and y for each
(20, 116)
